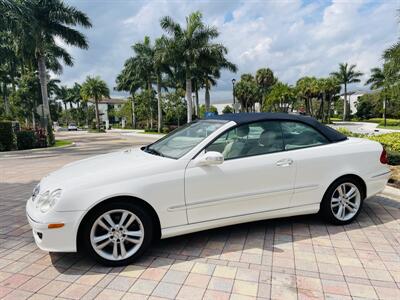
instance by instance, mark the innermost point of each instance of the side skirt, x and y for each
(272, 214)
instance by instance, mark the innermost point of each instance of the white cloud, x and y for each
(291, 37)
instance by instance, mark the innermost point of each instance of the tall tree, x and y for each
(211, 66)
(265, 79)
(188, 45)
(346, 75)
(41, 22)
(376, 79)
(95, 88)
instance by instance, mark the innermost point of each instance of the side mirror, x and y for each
(210, 158)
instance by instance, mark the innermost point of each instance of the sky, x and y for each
(293, 38)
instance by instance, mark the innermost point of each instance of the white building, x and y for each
(107, 104)
(352, 97)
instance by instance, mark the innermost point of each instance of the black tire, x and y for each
(325, 209)
(140, 213)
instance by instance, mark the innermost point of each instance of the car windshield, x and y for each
(181, 141)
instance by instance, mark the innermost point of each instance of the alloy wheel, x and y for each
(345, 201)
(117, 234)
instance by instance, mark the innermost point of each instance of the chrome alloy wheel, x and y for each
(117, 234)
(345, 201)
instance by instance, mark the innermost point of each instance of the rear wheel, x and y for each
(117, 233)
(342, 201)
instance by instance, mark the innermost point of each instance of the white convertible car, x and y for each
(226, 170)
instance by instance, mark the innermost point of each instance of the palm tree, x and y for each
(306, 90)
(95, 88)
(42, 21)
(126, 81)
(211, 66)
(160, 66)
(377, 79)
(265, 79)
(188, 46)
(346, 75)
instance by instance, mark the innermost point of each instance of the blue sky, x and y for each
(294, 38)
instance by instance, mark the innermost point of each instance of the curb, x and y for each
(35, 150)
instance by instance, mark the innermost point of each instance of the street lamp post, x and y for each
(233, 94)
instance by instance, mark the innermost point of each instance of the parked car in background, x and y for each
(72, 127)
(220, 171)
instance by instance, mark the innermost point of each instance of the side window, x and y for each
(249, 139)
(298, 135)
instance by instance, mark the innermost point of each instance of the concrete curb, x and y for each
(391, 192)
(35, 150)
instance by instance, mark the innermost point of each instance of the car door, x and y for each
(256, 175)
(314, 158)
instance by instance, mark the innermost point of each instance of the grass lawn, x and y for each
(60, 143)
(389, 127)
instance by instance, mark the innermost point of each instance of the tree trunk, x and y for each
(65, 105)
(43, 88)
(197, 102)
(207, 96)
(321, 109)
(189, 98)
(5, 98)
(345, 103)
(33, 120)
(159, 112)
(97, 114)
(133, 112)
(328, 117)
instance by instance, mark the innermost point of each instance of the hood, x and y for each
(107, 167)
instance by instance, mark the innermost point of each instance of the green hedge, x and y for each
(394, 158)
(26, 140)
(389, 122)
(7, 136)
(391, 141)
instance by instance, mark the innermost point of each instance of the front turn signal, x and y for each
(55, 225)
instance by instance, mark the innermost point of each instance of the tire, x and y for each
(119, 244)
(340, 210)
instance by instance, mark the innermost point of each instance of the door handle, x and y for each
(284, 162)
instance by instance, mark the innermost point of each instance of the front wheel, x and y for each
(116, 233)
(342, 201)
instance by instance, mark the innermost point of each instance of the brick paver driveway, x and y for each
(288, 258)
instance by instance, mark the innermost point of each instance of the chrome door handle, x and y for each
(284, 162)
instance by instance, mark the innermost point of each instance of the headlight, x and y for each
(35, 192)
(47, 200)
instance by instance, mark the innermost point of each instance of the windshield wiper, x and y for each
(153, 151)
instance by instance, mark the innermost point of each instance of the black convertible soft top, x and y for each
(244, 118)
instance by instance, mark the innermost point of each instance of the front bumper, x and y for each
(56, 239)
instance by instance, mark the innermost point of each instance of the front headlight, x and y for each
(35, 192)
(47, 200)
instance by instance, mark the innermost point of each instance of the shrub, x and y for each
(389, 122)
(394, 158)
(7, 136)
(26, 140)
(391, 141)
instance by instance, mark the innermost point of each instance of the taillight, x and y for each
(384, 158)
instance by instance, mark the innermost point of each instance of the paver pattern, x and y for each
(291, 258)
